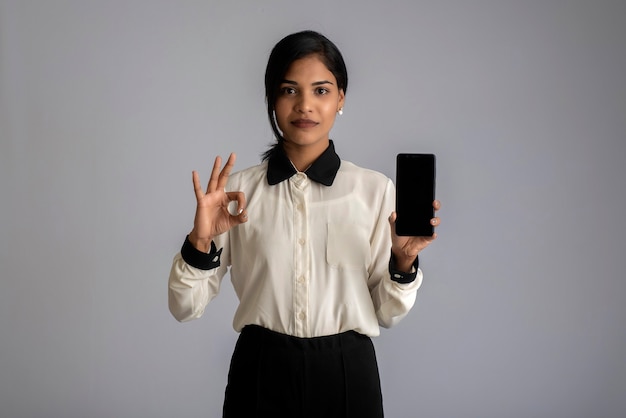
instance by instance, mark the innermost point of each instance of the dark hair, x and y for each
(286, 51)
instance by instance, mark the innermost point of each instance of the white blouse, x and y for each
(311, 260)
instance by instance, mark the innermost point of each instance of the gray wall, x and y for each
(106, 107)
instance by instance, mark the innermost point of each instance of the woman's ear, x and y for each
(342, 99)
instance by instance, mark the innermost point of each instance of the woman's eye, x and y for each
(288, 90)
(321, 91)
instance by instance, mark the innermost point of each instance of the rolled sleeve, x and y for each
(402, 276)
(200, 259)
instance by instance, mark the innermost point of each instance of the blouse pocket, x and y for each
(347, 246)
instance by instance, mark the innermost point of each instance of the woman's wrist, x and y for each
(406, 267)
(404, 263)
(201, 244)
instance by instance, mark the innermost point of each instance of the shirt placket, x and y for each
(300, 184)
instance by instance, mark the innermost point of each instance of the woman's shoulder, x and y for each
(352, 170)
(250, 175)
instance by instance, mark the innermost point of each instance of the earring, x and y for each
(340, 111)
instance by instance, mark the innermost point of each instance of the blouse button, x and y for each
(299, 179)
(302, 316)
(301, 241)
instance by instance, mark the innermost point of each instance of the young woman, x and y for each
(312, 251)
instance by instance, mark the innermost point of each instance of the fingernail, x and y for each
(240, 211)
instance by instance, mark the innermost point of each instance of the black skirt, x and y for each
(276, 375)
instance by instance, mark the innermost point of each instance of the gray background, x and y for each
(106, 107)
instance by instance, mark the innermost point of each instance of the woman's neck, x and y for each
(302, 156)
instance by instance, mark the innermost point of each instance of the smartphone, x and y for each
(415, 193)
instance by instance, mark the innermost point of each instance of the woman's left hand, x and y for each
(405, 249)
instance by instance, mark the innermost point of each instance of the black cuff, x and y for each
(402, 276)
(198, 259)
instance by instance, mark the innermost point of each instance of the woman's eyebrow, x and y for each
(317, 83)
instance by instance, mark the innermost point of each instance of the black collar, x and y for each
(323, 170)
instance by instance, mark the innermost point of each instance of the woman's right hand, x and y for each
(212, 215)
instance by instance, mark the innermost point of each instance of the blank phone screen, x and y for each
(415, 193)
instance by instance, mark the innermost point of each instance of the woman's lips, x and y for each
(304, 123)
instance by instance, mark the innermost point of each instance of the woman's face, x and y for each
(308, 103)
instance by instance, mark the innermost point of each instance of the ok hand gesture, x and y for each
(212, 215)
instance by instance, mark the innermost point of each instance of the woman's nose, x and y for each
(303, 104)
